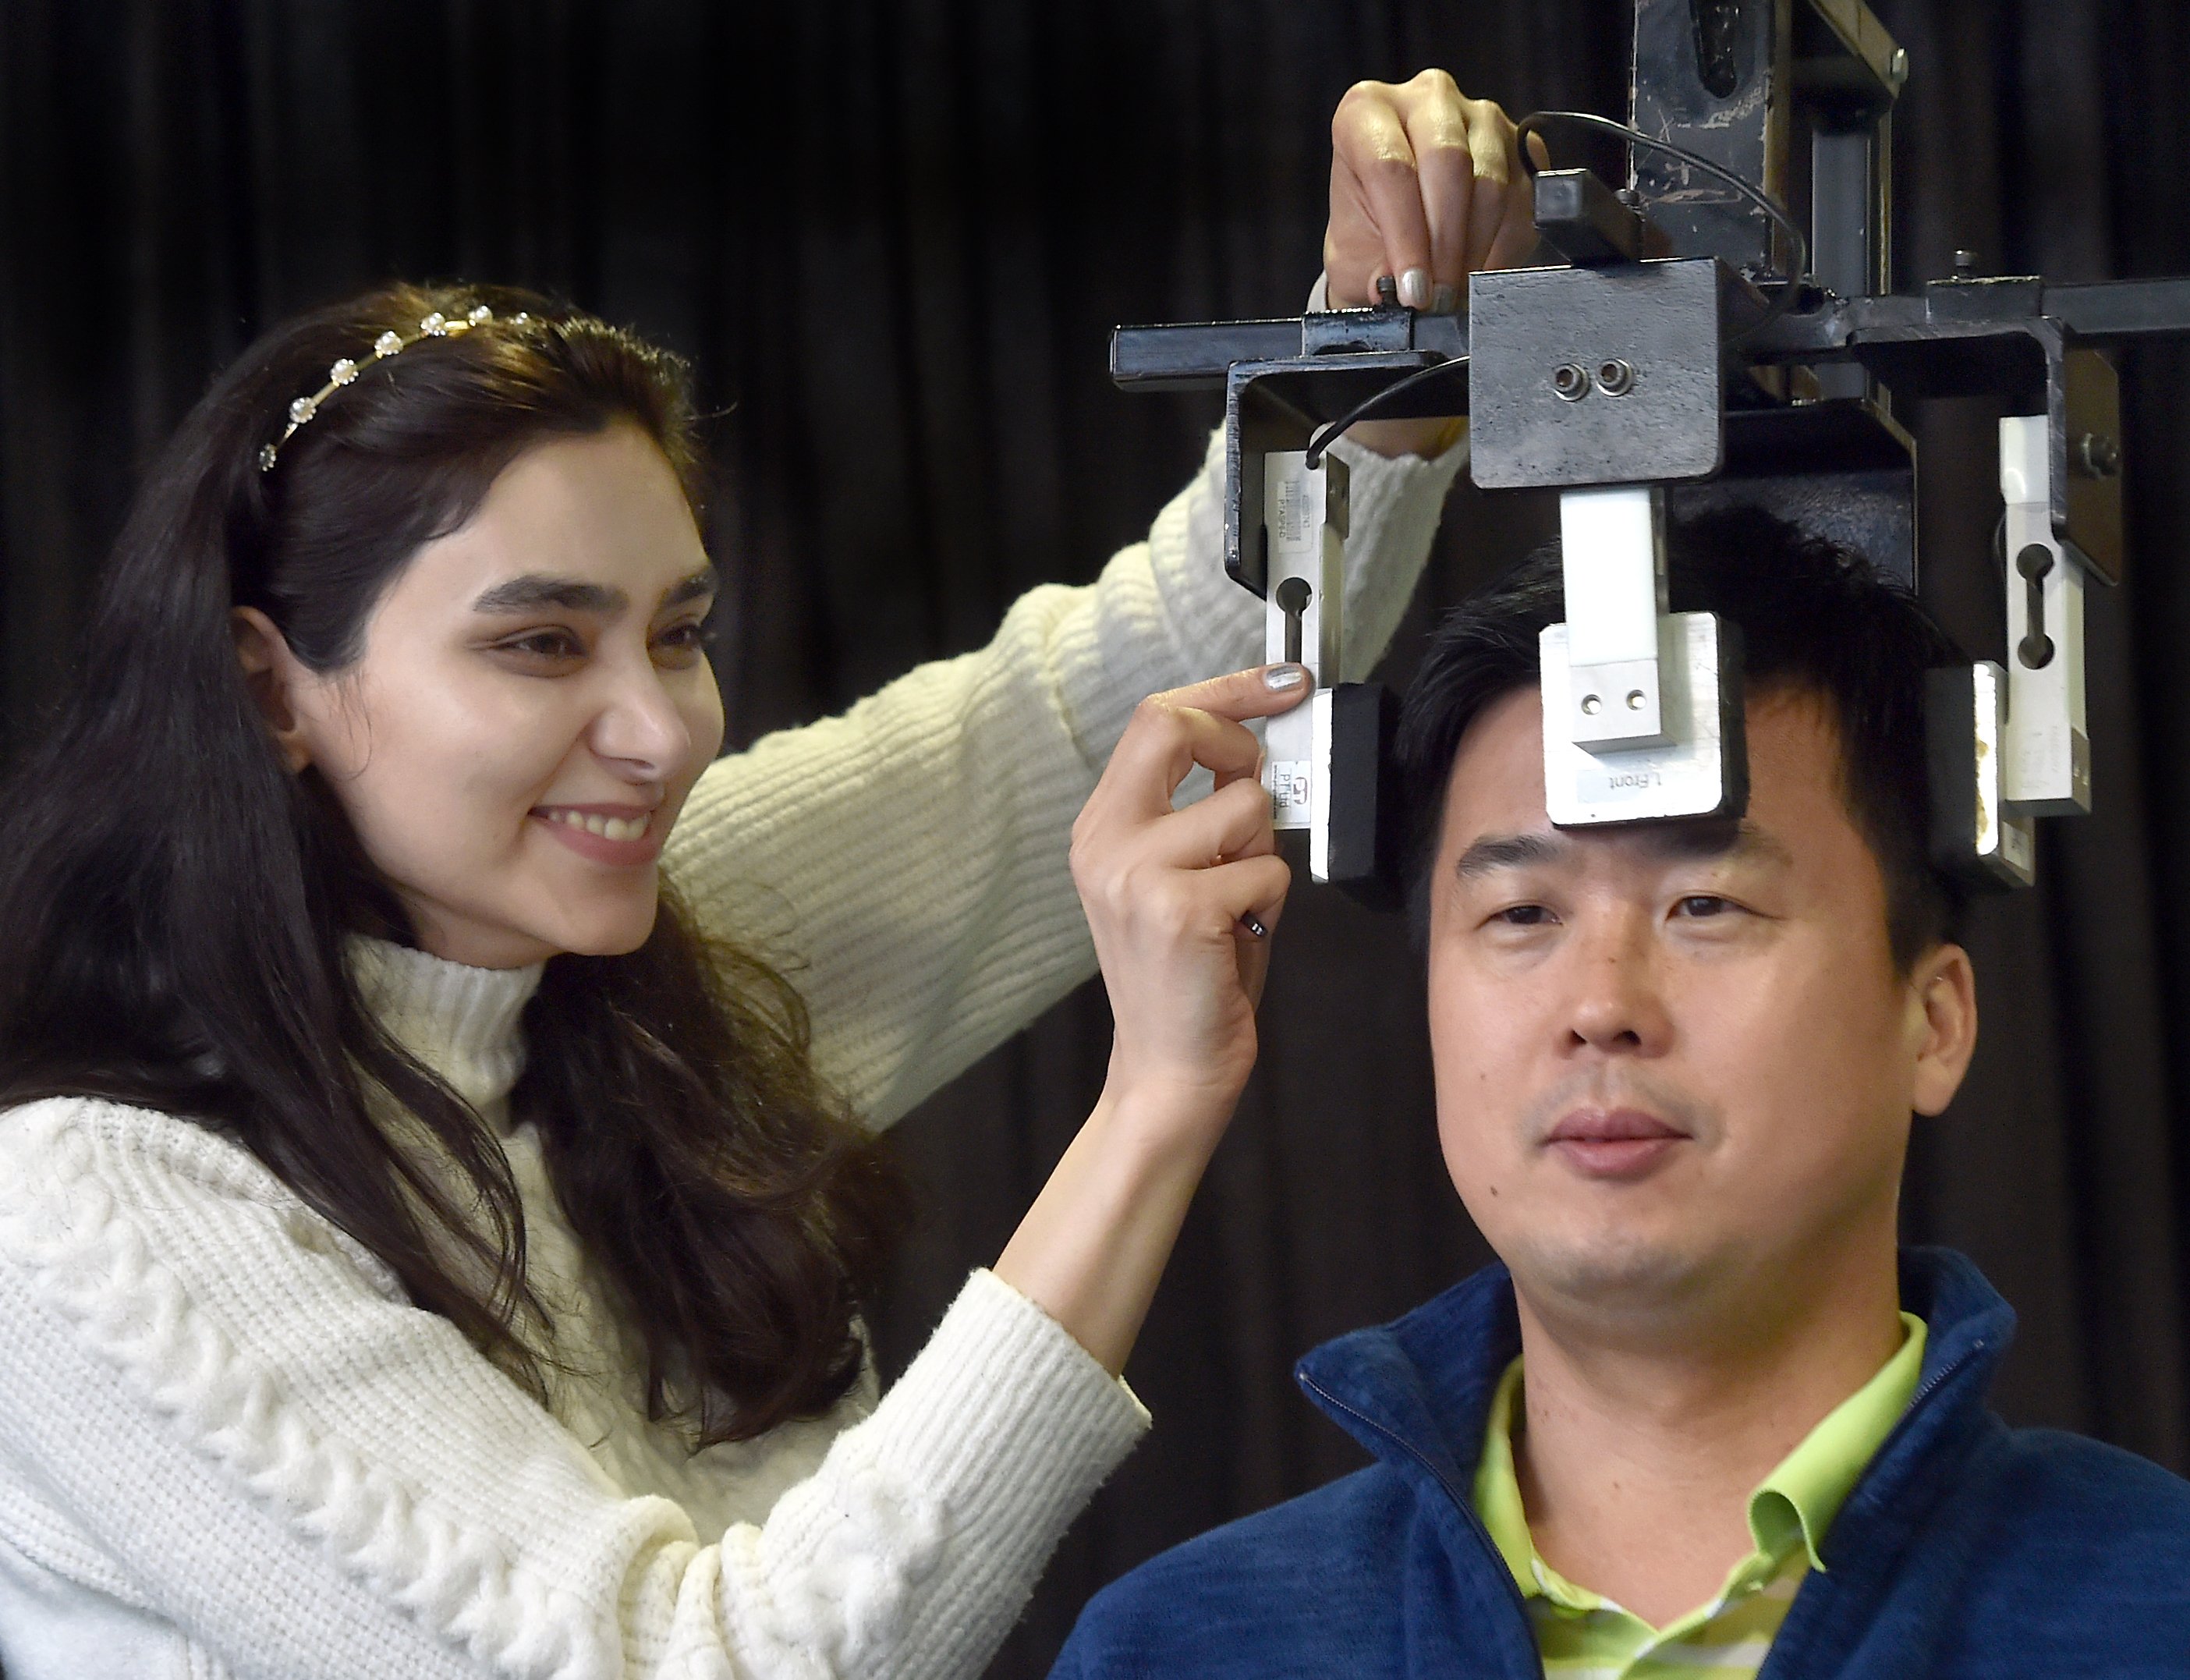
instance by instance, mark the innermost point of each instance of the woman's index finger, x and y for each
(1203, 724)
(1261, 691)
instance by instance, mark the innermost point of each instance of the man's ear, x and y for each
(1943, 1003)
(272, 673)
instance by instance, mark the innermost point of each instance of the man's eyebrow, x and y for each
(1705, 839)
(535, 589)
(1508, 851)
(1713, 838)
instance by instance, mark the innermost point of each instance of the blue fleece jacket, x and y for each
(1968, 1549)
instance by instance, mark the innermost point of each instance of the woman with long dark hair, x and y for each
(430, 1241)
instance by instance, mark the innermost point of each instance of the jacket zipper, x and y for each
(1466, 1511)
(1924, 1390)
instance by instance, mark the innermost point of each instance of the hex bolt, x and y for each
(1570, 380)
(1616, 378)
(1965, 263)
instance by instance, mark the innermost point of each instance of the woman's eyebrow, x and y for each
(706, 581)
(536, 589)
(573, 594)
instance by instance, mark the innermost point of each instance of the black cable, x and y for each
(1785, 299)
(1369, 405)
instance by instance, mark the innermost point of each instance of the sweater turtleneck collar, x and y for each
(459, 1021)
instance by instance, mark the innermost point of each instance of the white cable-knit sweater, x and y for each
(228, 1444)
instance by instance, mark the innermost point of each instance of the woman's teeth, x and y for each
(608, 828)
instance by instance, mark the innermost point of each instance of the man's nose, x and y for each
(1617, 1004)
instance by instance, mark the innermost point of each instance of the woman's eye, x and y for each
(544, 645)
(1704, 904)
(684, 640)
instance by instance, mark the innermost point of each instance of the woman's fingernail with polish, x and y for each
(1415, 288)
(1283, 676)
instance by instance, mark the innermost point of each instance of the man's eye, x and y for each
(1524, 916)
(1704, 904)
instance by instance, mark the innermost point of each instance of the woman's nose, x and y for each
(640, 725)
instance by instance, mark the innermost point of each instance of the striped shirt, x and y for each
(1584, 1636)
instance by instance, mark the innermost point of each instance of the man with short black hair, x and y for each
(1705, 1412)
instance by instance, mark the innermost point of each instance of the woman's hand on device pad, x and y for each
(1172, 898)
(1171, 895)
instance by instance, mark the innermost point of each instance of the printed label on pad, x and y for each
(1290, 792)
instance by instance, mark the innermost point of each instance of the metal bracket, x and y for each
(1613, 542)
(1304, 513)
(2046, 749)
(1965, 732)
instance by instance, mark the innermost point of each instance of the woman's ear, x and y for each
(271, 672)
(1945, 990)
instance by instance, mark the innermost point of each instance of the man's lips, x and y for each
(1613, 1142)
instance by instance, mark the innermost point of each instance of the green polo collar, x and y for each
(1798, 1499)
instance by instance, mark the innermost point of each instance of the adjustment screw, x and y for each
(2095, 456)
(1896, 67)
(1570, 380)
(1616, 378)
(1965, 265)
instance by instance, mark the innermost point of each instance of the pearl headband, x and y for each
(388, 343)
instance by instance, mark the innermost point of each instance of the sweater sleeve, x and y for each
(315, 1479)
(908, 858)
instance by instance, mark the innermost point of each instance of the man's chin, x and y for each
(1636, 1278)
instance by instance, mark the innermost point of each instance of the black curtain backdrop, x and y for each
(893, 238)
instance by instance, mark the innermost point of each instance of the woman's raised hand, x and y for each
(1173, 898)
(1427, 186)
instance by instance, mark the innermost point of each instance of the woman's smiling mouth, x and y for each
(619, 835)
